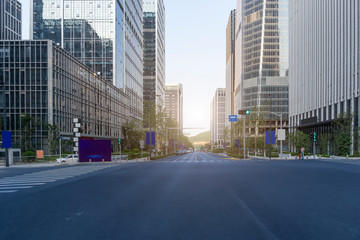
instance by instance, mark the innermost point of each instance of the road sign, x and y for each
(6, 139)
(142, 143)
(233, 118)
(281, 135)
(65, 138)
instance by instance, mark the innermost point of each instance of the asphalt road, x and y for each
(194, 196)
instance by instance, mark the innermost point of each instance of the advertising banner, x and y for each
(94, 150)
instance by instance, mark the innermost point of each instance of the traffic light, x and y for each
(119, 141)
(315, 137)
(244, 112)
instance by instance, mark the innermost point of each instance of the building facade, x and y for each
(230, 66)
(51, 86)
(324, 68)
(154, 52)
(10, 20)
(174, 103)
(261, 71)
(105, 35)
(217, 118)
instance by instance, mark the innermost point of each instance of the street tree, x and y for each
(53, 138)
(342, 126)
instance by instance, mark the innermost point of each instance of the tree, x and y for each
(299, 139)
(342, 129)
(132, 134)
(53, 137)
(324, 139)
(28, 127)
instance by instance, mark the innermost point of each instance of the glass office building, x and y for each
(105, 35)
(324, 69)
(10, 20)
(261, 75)
(53, 87)
(154, 51)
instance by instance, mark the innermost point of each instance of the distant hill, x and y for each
(202, 137)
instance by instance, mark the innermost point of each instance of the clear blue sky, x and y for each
(195, 52)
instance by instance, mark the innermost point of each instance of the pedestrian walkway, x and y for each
(30, 180)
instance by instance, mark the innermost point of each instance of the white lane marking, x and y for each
(25, 181)
(10, 191)
(15, 187)
(20, 184)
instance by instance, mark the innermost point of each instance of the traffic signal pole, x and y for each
(244, 139)
(314, 150)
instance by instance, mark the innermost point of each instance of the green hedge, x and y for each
(241, 156)
(217, 150)
(160, 157)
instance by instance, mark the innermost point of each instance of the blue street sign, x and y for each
(233, 118)
(268, 137)
(152, 138)
(6, 139)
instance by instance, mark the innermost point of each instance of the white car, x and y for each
(72, 158)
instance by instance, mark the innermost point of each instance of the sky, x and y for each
(195, 53)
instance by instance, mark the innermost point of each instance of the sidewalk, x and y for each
(54, 164)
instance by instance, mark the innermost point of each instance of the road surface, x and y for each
(193, 196)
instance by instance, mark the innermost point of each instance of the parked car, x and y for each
(68, 158)
(180, 152)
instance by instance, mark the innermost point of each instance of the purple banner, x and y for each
(152, 138)
(94, 150)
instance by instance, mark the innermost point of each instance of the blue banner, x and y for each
(268, 137)
(237, 143)
(153, 137)
(6, 139)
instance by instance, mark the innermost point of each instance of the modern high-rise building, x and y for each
(50, 86)
(10, 20)
(174, 103)
(154, 52)
(105, 35)
(217, 118)
(324, 68)
(261, 71)
(230, 66)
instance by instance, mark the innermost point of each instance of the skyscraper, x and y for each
(230, 66)
(105, 35)
(10, 20)
(324, 69)
(261, 74)
(174, 103)
(217, 118)
(154, 51)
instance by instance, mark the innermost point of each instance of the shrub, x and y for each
(29, 156)
(217, 150)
